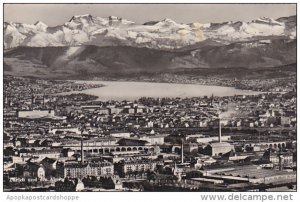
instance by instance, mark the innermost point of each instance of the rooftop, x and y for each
(252, 171)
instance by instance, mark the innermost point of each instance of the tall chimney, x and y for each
(82, 153)
(220, 131)
(280, 159)
(182, 152)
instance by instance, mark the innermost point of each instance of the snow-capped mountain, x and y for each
(164, 34)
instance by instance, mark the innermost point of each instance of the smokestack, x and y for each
(280, 159)
(82, 153)
(182, 152)
(280, 162)
(44, 99)
(220, 131)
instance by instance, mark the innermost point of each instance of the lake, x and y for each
(123, 90)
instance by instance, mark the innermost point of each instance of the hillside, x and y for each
(89, 60)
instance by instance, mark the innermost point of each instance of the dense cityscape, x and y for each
(195, 97)
(56, 140)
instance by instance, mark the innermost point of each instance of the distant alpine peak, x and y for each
(90, 19)
(40, 23)
(111, 17)
(80, 18)
(267, 20)
(168, 21)
(116, 20)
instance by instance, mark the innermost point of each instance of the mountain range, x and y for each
(93, 45)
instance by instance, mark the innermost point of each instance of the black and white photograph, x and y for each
(149, 97)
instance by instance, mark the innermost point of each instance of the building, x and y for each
(35, 113)
(285, 121)
(120, 134)
(33, 171)
(134, 167)
(99, 109)
(251, 174)
(67, 152)
(118, 156)
(154, 140)
(204, 161)
(190, 147)
(218, 148)
(69, 185)
(41, 154)
(115, 110)
(39, 114)
(132, 142)
(81, 170)
(277, 158)
(235, 157)
(91, 144)
(180, 170)
(206, 140)
(111, 182)
(49, 166)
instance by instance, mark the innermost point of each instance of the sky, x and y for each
(57, 14)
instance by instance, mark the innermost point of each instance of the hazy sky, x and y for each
(56, 14)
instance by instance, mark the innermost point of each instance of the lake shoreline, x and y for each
(132, 90)
(164, 82)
